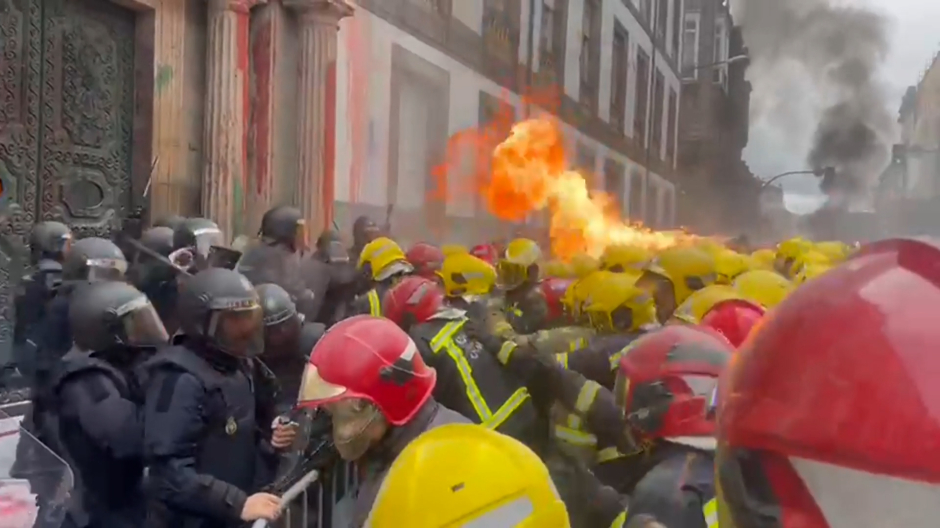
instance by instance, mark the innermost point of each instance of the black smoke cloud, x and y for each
(837, 49)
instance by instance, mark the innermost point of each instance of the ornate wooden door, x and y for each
(66, 116)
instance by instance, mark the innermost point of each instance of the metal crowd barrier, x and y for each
(315, 503)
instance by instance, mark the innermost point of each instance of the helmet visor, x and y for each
(206, 238)
(314, 390)
(335, 252)
(510, 275)
(141, 325)
(103, 270)
(239, 331)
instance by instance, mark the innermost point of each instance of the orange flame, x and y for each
(529, 172)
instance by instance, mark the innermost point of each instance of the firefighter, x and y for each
(467, 475)
(694, 308)
(565, 336)
(468, 282)
(809, 271)
(426, 259)
(472, 382)
(675, 274)
(729, 264)
(667, 384)
(787, 253)
(367, 374)
(734, 318)
(826, 420)
(382, 263)
(623, 258)
(486, 252)
(763, 287)
(517, 275)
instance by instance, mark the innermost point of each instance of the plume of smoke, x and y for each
(836, 51)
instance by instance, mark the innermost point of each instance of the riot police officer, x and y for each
(95, 400)
(332, 277)
(197, 236)
(288, 339)
(171, 221)
(88, 260)
(48, 242)
(155, 278)
(364, 230)
(277, 259)
(204, 408)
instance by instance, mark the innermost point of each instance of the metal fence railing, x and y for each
(315, 502)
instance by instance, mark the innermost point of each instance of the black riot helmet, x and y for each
(94, 260)
(50, 240)
(221, 308)
(171, 221)
(110, 314)
(285, 225)
(199, 234)
(282, 322)
(158, 239)
(330, 247)
(364, 231)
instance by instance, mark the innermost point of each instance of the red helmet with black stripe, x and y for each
(830, 414)
(426, 259)
(372, 359)
(667, 380)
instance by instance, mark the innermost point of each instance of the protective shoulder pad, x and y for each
(76, 361)
(184, 359)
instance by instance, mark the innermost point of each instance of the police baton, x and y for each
(161, 258)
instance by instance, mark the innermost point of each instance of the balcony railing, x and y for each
(500, 35)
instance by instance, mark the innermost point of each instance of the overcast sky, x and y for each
(915, 39)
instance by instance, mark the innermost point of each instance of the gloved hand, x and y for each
(477, 331)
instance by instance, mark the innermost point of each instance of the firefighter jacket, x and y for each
(472, 382)
(526, 309)
(370, 303)
(561, 340)
(590, 402)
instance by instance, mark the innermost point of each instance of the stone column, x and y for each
(319, 24)
(225, 162)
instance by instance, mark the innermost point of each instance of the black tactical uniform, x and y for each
(171, 221)
(288, 340)
(473, 383)
(155, 278)
(277, 259)
(209, 408)
(48, 244)
(331, 276)
(95, 399)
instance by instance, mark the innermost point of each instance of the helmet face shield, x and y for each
(238, 331)
(102, 270)
(140, 324)
(510, 275)
(205, 239)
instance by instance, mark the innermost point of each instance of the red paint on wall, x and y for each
(244, 20)
(329, 146)
(262, 59)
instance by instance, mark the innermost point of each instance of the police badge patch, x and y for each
(231, 426)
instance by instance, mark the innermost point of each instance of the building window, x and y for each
(690, 48)
(671, 127)
(676, 27)
(720, 73)
(662, 20)
(547, 38)
(636, 195)
(656, 127)
(646, 11)
(499, 31)
(619, 75)
(613, 182)
(590, 54)
(642, 96)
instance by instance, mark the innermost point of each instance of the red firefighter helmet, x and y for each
(667, 381)
(485, 252)
(413, 300)
(426, 259)
(553, 289)
(734, 319)
(368, 358)
(830, 414)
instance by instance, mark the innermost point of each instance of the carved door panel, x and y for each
(87, 114)
(20, 86)
(66, 115)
